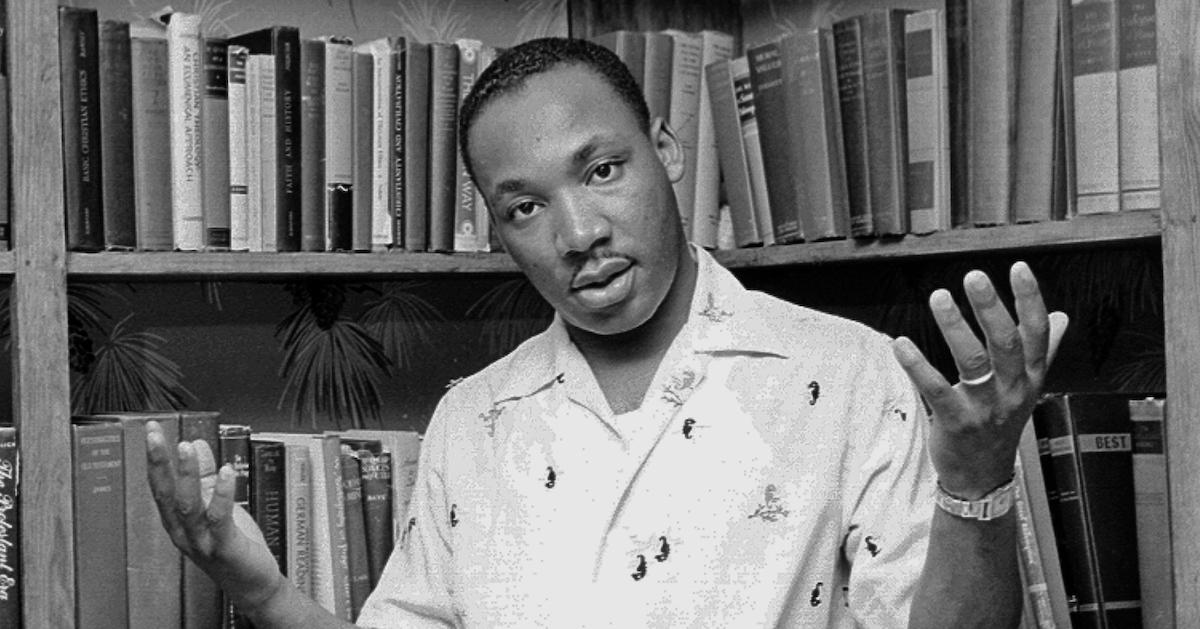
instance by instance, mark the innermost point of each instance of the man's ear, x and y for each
(670, 151)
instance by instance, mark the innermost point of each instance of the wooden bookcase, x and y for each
(39, 267)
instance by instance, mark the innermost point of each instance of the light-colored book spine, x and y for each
(743, 92)
(238, 173)
(993, 59)
(706, 213)
(1097, 144)
(928, 119)
(1152, 511)
(381, 141)
(339, 145)
(731, 150)
(1137, 89)
(253, 141)
(151, 123)
(1039, 595)
(656, 77)
(685, 115)
(466, 228)
(269, 156)
(1033, 188)
(298, 500)
(186, 81)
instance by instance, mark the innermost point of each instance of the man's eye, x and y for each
(606, 171)
(522, 209)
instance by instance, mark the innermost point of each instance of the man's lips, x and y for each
(599, 272)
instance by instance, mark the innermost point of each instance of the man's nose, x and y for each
(581, 225)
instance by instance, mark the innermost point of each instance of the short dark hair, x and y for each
(507, 74)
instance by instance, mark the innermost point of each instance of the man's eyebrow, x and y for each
(508, 186)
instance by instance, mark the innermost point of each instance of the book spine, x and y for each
(270, 153)
(483, 219)
(10, 528)
(363, 118)
(686, 58)
(466, 232)
(101, 592)
(83, 195)
(202, 607)
(1137, 90)
(312, 149)
(927, 172)
(298, 497)
(770, 108)
(239, 235)
(234, 444)
(381, 145)
(731, 150)
(288, 166)
(397, 163)
(1097, 119)
(417, 181)
(151, 156)
(116, 135)
(359, 569)
(706, 214)
(268, 486)
(377, 510)
(443, 144)
(339, 146)
(816, 134)
(215, 130)
(994, 41)
(743, 92)
(187, 149)
(5, 173)
(656, 76)
(1037, 498)
(1152, 511)
(254, 155)
(883, 82)
(852, 101)
(1037, 93)
(958, 78)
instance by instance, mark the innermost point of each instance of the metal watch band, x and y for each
(994, 505)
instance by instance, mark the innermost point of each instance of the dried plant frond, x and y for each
(1145, 370)
(400, 320)
(212, 293)
(512, 311)
(331, 373)
(430, 20)
(540, 18)
(129, 373)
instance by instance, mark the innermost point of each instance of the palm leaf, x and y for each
(511, 311)
(430, 20)
(130, 373)
(331, 374)
(399, 319)
(540, 18)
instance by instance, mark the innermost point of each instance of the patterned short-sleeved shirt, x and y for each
(776, 475)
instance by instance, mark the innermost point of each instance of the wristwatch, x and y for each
(995, 504)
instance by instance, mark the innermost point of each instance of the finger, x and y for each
(220, 507)
(161, 472)
(1058, 327)
(1003, 340)
(188, 504)
(938, 393)
(969, 354)
(1034, 324)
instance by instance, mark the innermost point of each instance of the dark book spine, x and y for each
(78, 32)
(377, 510)
(268, 480)
(466, 232)
(958, 83)
(397, 163)
(363, 68)
(201, 597)
(151, 155)
(339, 146)
(416, 147)
(770, 107)
(883, 82)
(5, 177)
(312, 151)
(116, 135)
(852, 99)
(10, 529)
(234, 451)
(215, 128)
(731, 151)
(443, 144)
(359, 568)
(101, 592)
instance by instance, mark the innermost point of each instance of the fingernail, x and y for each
(226, 472)
(905, 348)
(941, 299)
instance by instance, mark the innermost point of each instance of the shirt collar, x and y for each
(724, 318)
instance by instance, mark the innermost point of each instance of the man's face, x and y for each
(581, 197)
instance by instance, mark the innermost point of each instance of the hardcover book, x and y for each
(715, 47)
(356, 533)
(770, 108)
(239, 202)
(186, 90)
(1137, 92)
(377, 509)
(993, 115)
(312, 149)
(443, 144)
(928, 169)
(202, 607)
(686, 59)
(1097, 118)
(731, 148)
(958, 76)
(1152, 511)
(382, 223)
(10, 528)
(1037, 93)
(886, 110)
(656, 77)
(116, 135)
(151, 123)
(101, 593)
(82, 193)
(215, 129)
(466, 232)
(852, 101)
(416, 146)
(363, 119)
(339, 145)
(268, 483)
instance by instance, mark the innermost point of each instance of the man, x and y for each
(674, 450)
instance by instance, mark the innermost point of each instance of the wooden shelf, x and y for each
(8, 265)
(1080, 231)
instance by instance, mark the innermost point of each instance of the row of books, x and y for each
(265, 141)
(330, 507)
(1094, 534)
(897, 122)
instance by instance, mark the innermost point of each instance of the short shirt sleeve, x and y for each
(888, 496)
